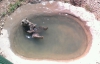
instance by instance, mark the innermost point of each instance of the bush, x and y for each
(88, 8)
(3, 14)
(13, 7)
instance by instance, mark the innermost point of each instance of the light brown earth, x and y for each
(91, 5)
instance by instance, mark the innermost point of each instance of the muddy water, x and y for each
(65, 39)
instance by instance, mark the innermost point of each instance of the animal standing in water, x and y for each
(31, 28)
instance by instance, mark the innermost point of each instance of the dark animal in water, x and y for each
(31, 28)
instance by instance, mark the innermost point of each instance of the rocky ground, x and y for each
(90, 5)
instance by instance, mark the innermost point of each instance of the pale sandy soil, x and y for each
(93, 57)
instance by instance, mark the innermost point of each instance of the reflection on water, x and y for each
(64, 39)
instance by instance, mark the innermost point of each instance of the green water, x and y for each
(64, 39)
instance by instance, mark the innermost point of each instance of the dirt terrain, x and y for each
(91, 5)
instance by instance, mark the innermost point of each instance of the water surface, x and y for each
(65, 39)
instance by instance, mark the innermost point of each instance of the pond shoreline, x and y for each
(90, 20)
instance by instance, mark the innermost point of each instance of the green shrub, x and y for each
(88, 8)
(3, 14)
(13, 7)
(66, 1)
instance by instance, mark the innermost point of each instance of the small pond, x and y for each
(65, 38)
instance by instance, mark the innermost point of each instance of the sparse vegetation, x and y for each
(13, 7)
(3, 14)
(66, 1)
(88, 8)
